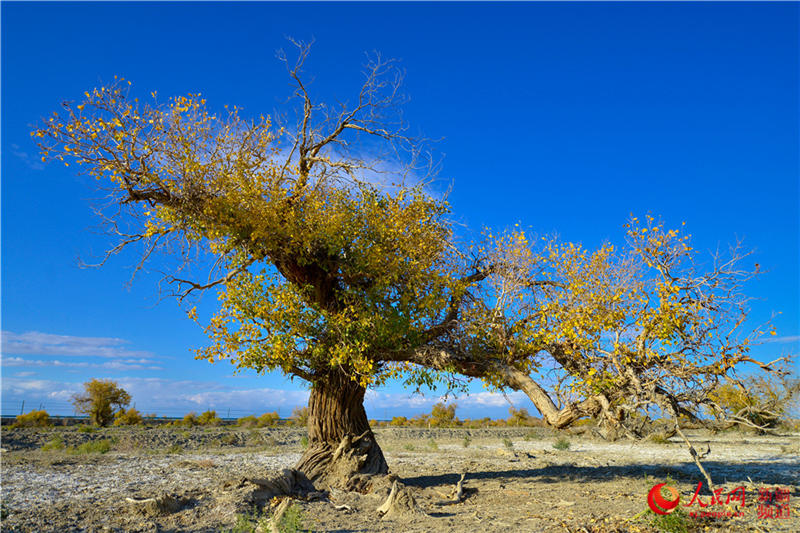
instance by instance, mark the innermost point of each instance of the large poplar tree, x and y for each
(333, 266)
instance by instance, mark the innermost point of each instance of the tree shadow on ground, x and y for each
(760, 472)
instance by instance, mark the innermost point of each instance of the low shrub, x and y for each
(247, 421)
(190, 419)
(34, 419)
(95, 446)
(398, 421)
(55, 443)
(129, 417)
(561, 444)
(268, 419)
(175, 448)
(209, 418)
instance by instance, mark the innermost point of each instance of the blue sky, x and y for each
(563, 117)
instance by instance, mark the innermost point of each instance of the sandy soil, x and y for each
(515, 481)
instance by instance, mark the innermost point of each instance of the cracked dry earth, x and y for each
(527, 486)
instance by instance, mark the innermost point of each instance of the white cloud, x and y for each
(136, 364)
(384, 400)
(263, 398)
(37, 343)
(39, 388)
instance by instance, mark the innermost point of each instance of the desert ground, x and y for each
(206, 479)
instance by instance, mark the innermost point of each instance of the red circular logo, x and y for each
(657, 502)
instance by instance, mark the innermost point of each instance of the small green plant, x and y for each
(175, 448)
(55, 443)
(250, 523)
(304, 442)
(228, 439)
(467, 441)
(530, 435)
(409, 447)
(432, 444)
(508, 444)
(561, 444)
(87, 429)
(256, 521)
(34, 419)
(658, 438)
(674, 522)
(95, 446)
(292, 520)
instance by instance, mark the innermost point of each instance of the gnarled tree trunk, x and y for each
(342, 450)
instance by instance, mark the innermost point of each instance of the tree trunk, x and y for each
(341, 446)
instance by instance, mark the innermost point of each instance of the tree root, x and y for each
(350, 466)
(159, 505)
(400, 502)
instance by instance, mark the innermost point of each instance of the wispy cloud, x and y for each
(126, 364)
(37, 343)
(26, 158)
(791, 339)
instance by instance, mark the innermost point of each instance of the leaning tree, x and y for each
(334, 264)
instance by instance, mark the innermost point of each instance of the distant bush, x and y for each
(99, 399)
(130, 417)
(249, 421)
(190, 419)
(398, 421)
(443, 415)
(265, 420)
(476, 423)
(299, 416)
(268, 419)
(209, 418)
(518, 417)
(34, 419)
